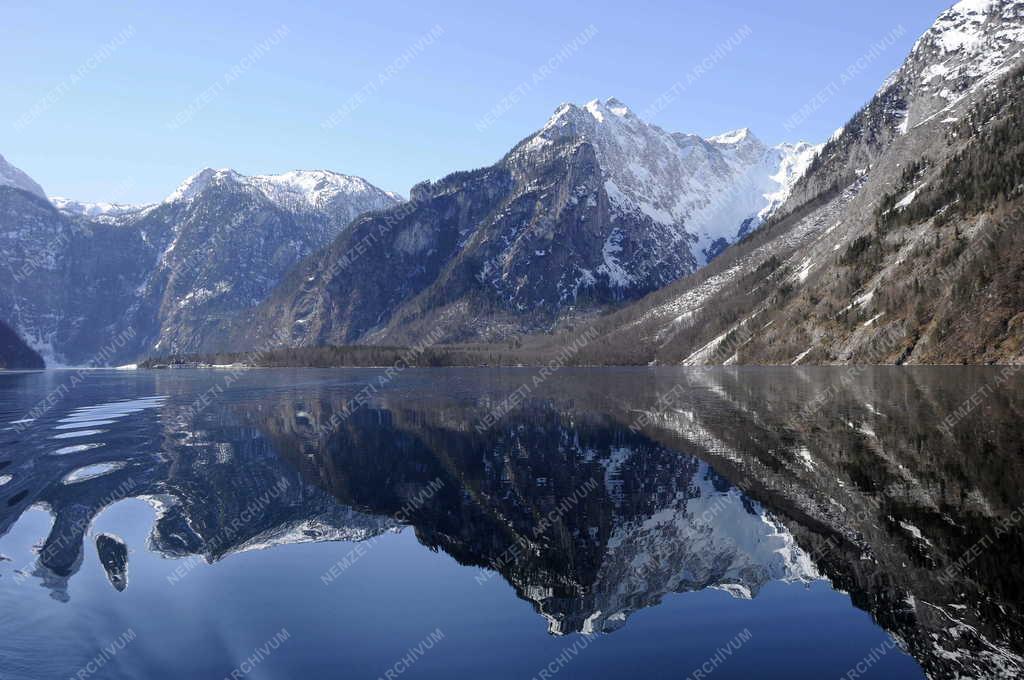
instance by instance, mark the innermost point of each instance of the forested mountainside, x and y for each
(902, 242)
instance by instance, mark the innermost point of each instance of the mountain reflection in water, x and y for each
(595, 495)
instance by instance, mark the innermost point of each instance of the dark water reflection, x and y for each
(276, 500)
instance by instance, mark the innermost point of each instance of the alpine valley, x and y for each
(668, 247)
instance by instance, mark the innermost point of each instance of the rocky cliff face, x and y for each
(14, 353)
(595, 208)
(65, 284)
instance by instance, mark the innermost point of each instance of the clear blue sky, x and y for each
(95, 126)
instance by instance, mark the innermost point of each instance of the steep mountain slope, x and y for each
(14, 353)
(62, 283)
(104, 284)
(907, 219)
(11, 176)
(595, 208)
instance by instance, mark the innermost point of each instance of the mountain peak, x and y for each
(310, 181)
(734, 137)
(971, 44)
(617, 107)
(973, 6)
(611, 106)
(675, 180)
(13, 177)
(197, 183)
(986, 29)
(960, 27)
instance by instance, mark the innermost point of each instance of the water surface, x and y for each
(612, 523)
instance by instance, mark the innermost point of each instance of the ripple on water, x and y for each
(116, 409)
(77, 433)
(77, 448)
(91, 472)
(84, 423)
(90, 417)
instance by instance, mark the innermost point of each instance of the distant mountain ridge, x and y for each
(101, 212)
(298, 190)
(96, 281)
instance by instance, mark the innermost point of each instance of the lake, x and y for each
(580, 523)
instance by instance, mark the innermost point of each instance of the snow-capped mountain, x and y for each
(11, 176)
(105, 283)
(903, 222)
(345, 196)
(696, 191)
(595, 208)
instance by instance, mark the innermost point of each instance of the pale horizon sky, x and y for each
(122, 101)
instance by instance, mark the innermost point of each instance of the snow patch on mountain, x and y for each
(200, 182)
(794, 159)
(95, 211)
(314, 189)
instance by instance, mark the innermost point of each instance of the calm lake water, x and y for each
(596, 523)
